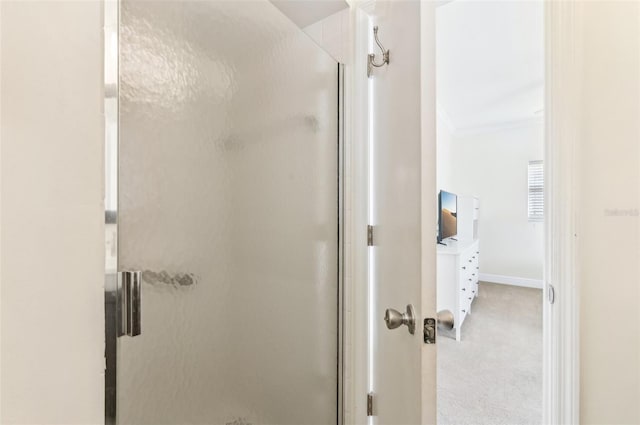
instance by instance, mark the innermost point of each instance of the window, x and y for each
(536, 190)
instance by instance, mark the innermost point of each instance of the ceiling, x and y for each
(306, 12)
(490, 64)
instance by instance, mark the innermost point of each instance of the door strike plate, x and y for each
(429, 331)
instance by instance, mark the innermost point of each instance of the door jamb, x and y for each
(561, 349)
(357, 259)
(111, 11)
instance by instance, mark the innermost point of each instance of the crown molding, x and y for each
(367, 6)
(489, 127)
(494, 127)
(440, 3)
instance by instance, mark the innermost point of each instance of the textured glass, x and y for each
(228, 203)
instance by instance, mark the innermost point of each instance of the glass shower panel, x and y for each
(228, 203)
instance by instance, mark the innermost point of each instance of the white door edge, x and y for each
(358, 361)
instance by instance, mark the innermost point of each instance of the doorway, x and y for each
(490, 186)
(560, 135)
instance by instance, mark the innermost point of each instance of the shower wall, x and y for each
(229, 205)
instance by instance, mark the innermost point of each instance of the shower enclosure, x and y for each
(223, 160)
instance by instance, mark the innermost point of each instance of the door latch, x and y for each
(130, 291)
(429, 330)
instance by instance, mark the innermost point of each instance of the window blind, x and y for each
(536, 190)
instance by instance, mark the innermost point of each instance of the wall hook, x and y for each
(372, 56)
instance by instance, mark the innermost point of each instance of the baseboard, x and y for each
(511, 280)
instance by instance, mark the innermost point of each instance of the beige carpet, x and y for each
(494, 375)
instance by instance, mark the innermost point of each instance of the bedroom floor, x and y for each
(494, 375)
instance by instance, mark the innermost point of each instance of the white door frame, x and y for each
(561, 328)
(561, 350)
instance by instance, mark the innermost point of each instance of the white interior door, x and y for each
(401, 206)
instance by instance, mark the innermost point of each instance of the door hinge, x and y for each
(369, 235)
(130, 288)
(370, 404)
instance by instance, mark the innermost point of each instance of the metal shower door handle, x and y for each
(131, 291)
(395, 319)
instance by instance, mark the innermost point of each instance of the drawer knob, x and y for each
(469, 297)
(464, 311)
(469, 260)
(469, 280)
(464, 289)
(464, 268)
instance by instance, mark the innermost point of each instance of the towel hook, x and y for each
(372, 56)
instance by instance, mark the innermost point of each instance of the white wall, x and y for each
(609, 240)
(493, 167)
(444, 165)
(52, 233)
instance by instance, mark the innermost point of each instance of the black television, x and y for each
(447, 215)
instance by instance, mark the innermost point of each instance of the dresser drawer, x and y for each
(466, 269)
(467, 258)
(475, 263)
(465, 300)
(466, 288)
(464, 309)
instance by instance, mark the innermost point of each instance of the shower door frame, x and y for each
(111, 29)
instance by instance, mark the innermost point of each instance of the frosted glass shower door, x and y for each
(228, 204)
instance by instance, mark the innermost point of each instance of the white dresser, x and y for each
(458, 264)
(458, 270)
